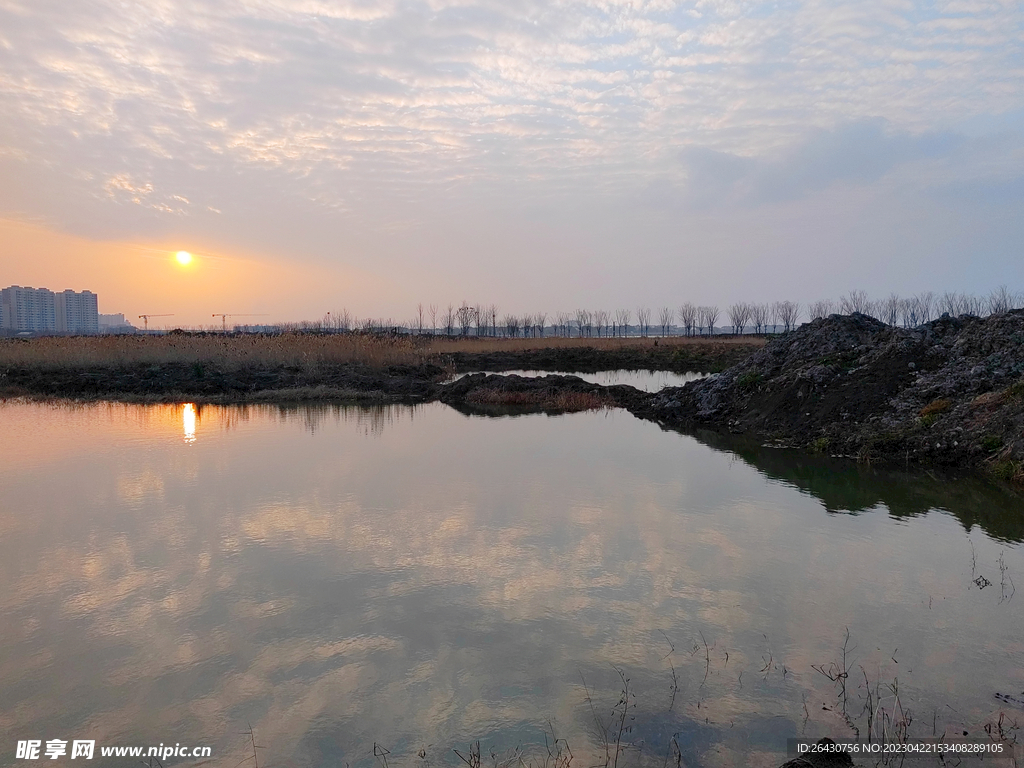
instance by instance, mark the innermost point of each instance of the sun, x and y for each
(184, 258)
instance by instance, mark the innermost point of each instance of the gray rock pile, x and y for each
(948, 392)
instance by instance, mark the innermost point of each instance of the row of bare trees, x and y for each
(911, 311)
(689, 319)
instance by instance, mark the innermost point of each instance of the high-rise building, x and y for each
(76, 312)
(28, 309)
(39, 310)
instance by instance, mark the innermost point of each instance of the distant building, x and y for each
(39, 310)
(76, 312)
(115, 324)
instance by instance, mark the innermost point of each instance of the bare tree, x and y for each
(889, 310)
(1000, 301)
(950, 303)
(707, 317)
(511, 323)
(432, 310)
(926, 305)
(665, 317)
(687, 317)
(759, 315)
(622, 318)
(341, 321)
(819, 309)
(643, 319)
(789, 313)
(541, 319)
(854, 301)
(974, 305)
(464, 314)
(909, 312)
(739, 314)
(419, 314)
(450, 319)
(582, 318)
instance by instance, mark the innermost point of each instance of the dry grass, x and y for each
(936, 407)
(306, 350)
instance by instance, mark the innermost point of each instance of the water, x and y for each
(419, 579)
(647, 381)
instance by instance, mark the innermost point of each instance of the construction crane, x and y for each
(145, 318)
(225, 315)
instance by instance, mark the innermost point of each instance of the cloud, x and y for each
(856, 153)
(359, 131)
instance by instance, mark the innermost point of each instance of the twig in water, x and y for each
(622, 710)
(472, 759)
(381, 753)
(597, 721)
(1003, 576)
(252, 739)
(671, 645)
(769, 661)
(707, 658)
(675, 686)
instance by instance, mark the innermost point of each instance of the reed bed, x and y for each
(305, 350)
(224, 352)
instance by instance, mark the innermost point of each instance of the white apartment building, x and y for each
(39, 310)
(76, 312)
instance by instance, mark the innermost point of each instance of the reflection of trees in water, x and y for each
(845, 486)
(371, 420)
(368, 419)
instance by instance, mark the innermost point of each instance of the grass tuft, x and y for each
(935, 407)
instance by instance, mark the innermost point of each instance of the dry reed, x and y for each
(228, 352)
(222, 351)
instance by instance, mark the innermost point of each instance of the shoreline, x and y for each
(950, 393)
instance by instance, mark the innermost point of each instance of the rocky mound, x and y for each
(948, 392)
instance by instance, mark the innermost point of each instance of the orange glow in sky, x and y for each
(134, 278)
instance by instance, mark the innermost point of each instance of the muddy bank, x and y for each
(207, 383)
(947, 393)
(488, 394)
(230, 373)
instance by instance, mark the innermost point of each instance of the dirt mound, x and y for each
(948, 392)
(511, 394)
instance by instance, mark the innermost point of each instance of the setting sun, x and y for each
(184, 257)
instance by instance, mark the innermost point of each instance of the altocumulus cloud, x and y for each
(125, 116)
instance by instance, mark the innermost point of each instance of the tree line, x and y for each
(688, 319)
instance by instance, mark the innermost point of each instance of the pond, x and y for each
(348, 580)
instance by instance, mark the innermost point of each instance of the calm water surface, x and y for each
(420, 579)
(647, 381)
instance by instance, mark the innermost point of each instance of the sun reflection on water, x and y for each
(188, 421)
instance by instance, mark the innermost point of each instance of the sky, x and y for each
(541, 156)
